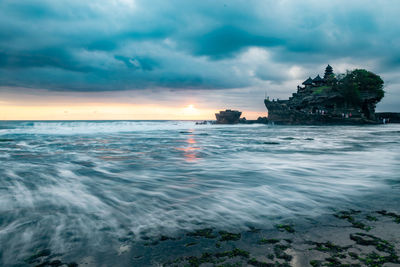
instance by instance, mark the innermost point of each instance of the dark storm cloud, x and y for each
(134, 44)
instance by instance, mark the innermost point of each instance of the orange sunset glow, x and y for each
(108, 111)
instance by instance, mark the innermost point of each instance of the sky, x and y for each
(183, 59)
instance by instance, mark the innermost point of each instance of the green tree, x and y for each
(368, 82)
(359, 81)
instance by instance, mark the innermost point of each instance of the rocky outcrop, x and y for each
(228, 116)
(259, 120)
(327, 101)
(389, 117)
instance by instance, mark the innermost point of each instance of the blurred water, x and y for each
(82, 186)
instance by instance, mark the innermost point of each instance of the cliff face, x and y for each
(322, 102)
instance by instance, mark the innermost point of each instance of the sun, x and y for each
(190, 110)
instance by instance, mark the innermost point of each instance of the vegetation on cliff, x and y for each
(354, 83)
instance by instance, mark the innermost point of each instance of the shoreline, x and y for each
(343, 238)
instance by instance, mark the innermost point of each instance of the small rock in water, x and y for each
(6, 140)
(271, 143)
(288, 138)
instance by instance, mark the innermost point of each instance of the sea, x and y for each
(85, 189)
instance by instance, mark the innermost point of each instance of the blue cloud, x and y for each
(135, 44)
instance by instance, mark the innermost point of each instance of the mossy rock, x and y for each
(328, 247)
(207, 233)
(353, 255)
(279, 251)
(226, 236)
(285, 227)
(315, 263)
(332, 261)
(348, 215)
(257, 263)
(374, 259)
(39, 254)
(395, 216)
(371, 218)
(344, 215)
(165, 238)
(268, 241)
(370, 240)
(233, 253)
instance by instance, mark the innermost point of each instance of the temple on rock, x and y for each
(334, 99)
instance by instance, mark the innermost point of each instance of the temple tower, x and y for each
(329, 76)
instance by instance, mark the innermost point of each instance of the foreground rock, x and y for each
(348, 238)
(343, 238)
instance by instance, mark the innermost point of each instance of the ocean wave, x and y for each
(95, 127)
(85, 192)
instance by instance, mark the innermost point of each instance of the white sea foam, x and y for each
(83, 192)
(95, 127)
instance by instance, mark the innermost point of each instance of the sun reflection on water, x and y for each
(189, 150)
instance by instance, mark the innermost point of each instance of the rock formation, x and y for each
(228, 116)
(342, 99)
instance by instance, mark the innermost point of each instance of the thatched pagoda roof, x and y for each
(309, 81)
(317, 79)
